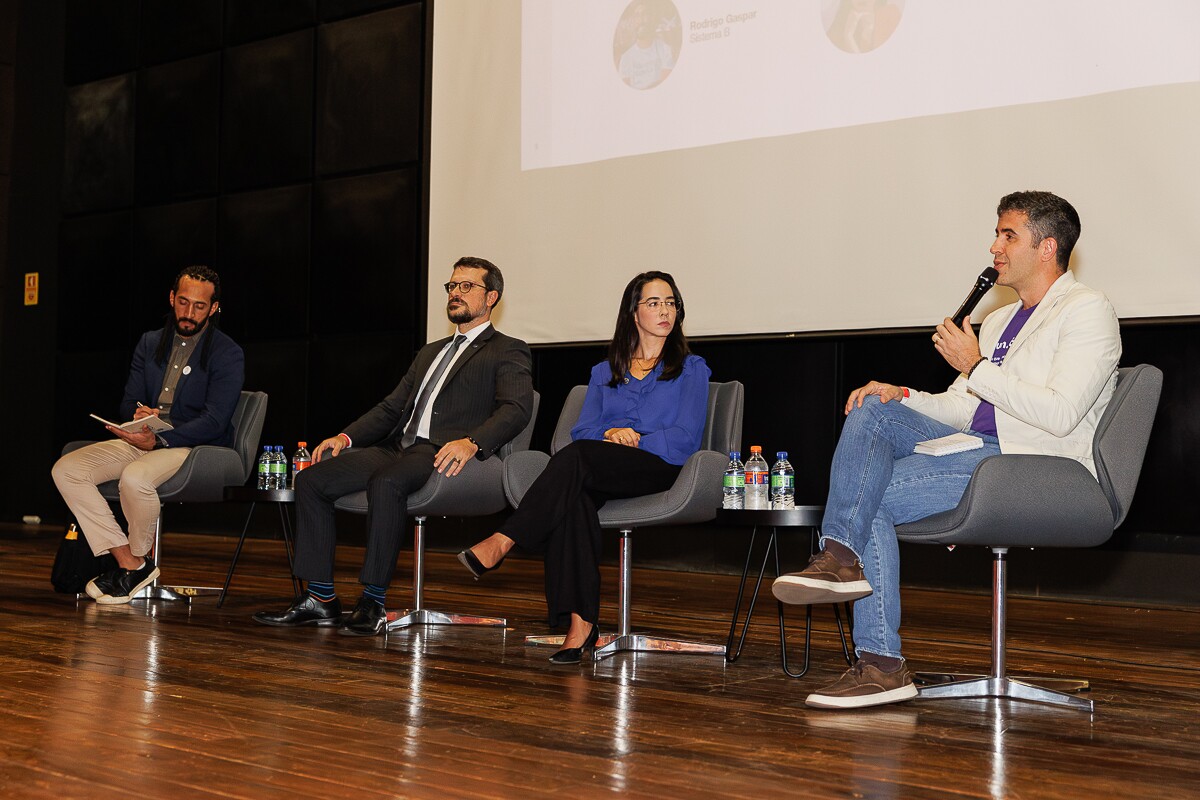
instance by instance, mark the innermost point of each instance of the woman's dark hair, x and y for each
(625, 337)
(167, 336)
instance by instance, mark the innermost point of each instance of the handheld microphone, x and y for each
(985, 281)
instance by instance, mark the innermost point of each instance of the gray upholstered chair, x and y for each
(694, 498)
(476, 491)
(202, 478)
(1044, 501)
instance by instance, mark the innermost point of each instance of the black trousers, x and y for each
(390, 475)
(558, 517)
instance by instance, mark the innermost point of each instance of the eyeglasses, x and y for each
(654, 305)
(463, 286)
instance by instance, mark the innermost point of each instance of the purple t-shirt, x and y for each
(985, 413)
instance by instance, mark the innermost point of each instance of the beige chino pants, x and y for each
(77, 474)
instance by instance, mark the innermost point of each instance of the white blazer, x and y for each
(1056, 379)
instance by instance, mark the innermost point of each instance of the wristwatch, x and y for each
(160, 442)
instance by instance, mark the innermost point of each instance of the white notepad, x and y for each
(954, 443)
(135, 425)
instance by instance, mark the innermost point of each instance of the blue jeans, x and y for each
(876, 483)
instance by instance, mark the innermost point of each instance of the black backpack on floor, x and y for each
(75, 565)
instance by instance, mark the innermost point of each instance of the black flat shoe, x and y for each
(367, 619)
(574, 655)
(306, 610)
(468, 560)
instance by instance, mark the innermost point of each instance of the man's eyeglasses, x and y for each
(463, 286)
(654, 305)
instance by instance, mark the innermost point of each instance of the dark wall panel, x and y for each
(255, 19)
(264, 263)
(8, 31)
(93, 383)
(266, 130)
(172, 29)
(98, 146)
(165, 240)
(350, 374)
(6, 118)
(5, 182)
(281, 370)
(101, 38)
(177, 121)
(369, 90)
(791, 405)
(336, 9)
(1168, 494)
(94, 283)
(365, 253)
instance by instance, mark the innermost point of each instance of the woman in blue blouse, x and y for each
(643, 416)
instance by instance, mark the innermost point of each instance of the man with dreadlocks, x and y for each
(188, 373)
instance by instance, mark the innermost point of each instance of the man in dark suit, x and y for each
(189, 374)
(463, 397)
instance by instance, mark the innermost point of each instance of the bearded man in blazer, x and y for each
(464, 397)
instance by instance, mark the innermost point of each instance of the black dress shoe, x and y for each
(367, 619)
(120, 585)
(573, 655)
(468, 560)
(306, 610)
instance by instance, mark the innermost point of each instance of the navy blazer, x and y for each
(487, 395)
(205, 399)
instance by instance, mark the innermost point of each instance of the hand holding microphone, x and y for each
(955, 339)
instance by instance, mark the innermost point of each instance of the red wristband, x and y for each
(905, 390)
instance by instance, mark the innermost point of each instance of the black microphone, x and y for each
(986, 280)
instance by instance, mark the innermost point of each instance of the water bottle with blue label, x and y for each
(783, 482)
(264, 467)
(733, 485)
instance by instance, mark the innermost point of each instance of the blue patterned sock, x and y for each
(375, 592)
(322, 591)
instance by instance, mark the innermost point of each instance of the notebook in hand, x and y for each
(156, 424)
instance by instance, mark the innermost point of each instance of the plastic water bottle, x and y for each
(279, 469)
(756, 480)
(301, 460)
(733, 485)
(783, 482)
(264, 467)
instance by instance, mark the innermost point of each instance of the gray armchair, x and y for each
(1044, 501)
(202, 478)
(694, 498)
(476, 491)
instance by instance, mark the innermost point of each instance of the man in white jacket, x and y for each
(1036, 380)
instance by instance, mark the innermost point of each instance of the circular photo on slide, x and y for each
(859, 26)
(646, 42)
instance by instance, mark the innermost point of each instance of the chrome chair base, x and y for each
(1054, 691)
(177, 593)
(642, 643)
(424, 616)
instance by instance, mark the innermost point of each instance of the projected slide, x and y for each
(604, 79)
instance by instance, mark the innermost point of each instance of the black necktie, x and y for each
(410, 432)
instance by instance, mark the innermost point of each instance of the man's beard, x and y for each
(186, 332)
(460, 315)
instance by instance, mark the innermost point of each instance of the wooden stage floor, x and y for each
(166, 700)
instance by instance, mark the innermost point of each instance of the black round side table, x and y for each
(798, 517)
(282, 498)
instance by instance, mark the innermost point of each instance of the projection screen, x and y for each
(805, 165)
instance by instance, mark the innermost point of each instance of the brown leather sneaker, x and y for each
(865, 685)
(824, 580)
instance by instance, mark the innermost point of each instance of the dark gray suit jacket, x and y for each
(487, 395)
